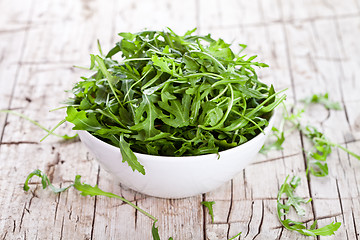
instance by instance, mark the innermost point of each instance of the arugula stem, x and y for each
(212, 75)
(231, 101)
(338, 146)
(212, 57)
(220, 94)
(134, 59)
(128, 91)
(136, 207)
(108, 76)
(250, 120)
(50, 132)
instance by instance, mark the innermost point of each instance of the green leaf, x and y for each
(129, 156)
(145, 116)
(277, 145)
(294, 201)
(179, 112)
(87, 190)
(324, 100)
(155, 232)
(162, 63)
(82, 121)
(209, 206)
(45, 182)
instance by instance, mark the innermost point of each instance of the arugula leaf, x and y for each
(146, 125)
(155, 232)
(321, 145)
(324, 100)
(83, 121)
(277, 145)
(129, 156)
(87, 190)
(294, 201)
(172, 95)
(180, 112)
(45, 181)
(209, 206)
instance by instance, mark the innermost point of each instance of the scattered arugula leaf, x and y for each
(324, 100)
(88, 190)
(277, 144)
(155, 232)
(169, 94)
(209, 206)
(294, 201)
(321, 146)
(45, 182)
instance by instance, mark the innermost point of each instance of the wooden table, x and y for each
(311, 46)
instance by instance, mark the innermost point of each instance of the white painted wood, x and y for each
(311, 46)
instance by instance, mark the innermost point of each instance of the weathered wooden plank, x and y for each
(307, 9)
(61, 34)
(134, 16)
(217, 14)
(348, 31)
(13, 34)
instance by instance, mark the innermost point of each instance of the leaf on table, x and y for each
(324, 100)
(209, 206)
(277, 144)
(45, 182)
(295, 202)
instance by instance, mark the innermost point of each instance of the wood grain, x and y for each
(311, 46)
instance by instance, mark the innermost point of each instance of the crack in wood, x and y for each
(261, 221)
(62, 228)
(57, 200)
(5, 234)
(230, 207)
(277, 158)
(355, 228)
(136, 214)
(204, 217)
(22, 217)
(50, 168)
(95, 200)
(251, 216)
(18, 142)
(70, 214)
(14, 226)
(281, 232)
(308, 179)
(341, 207)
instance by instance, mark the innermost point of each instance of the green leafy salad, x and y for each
(159, 93)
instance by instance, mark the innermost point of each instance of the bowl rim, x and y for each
(160, 157)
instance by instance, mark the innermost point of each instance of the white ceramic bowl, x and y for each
(176, 177)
